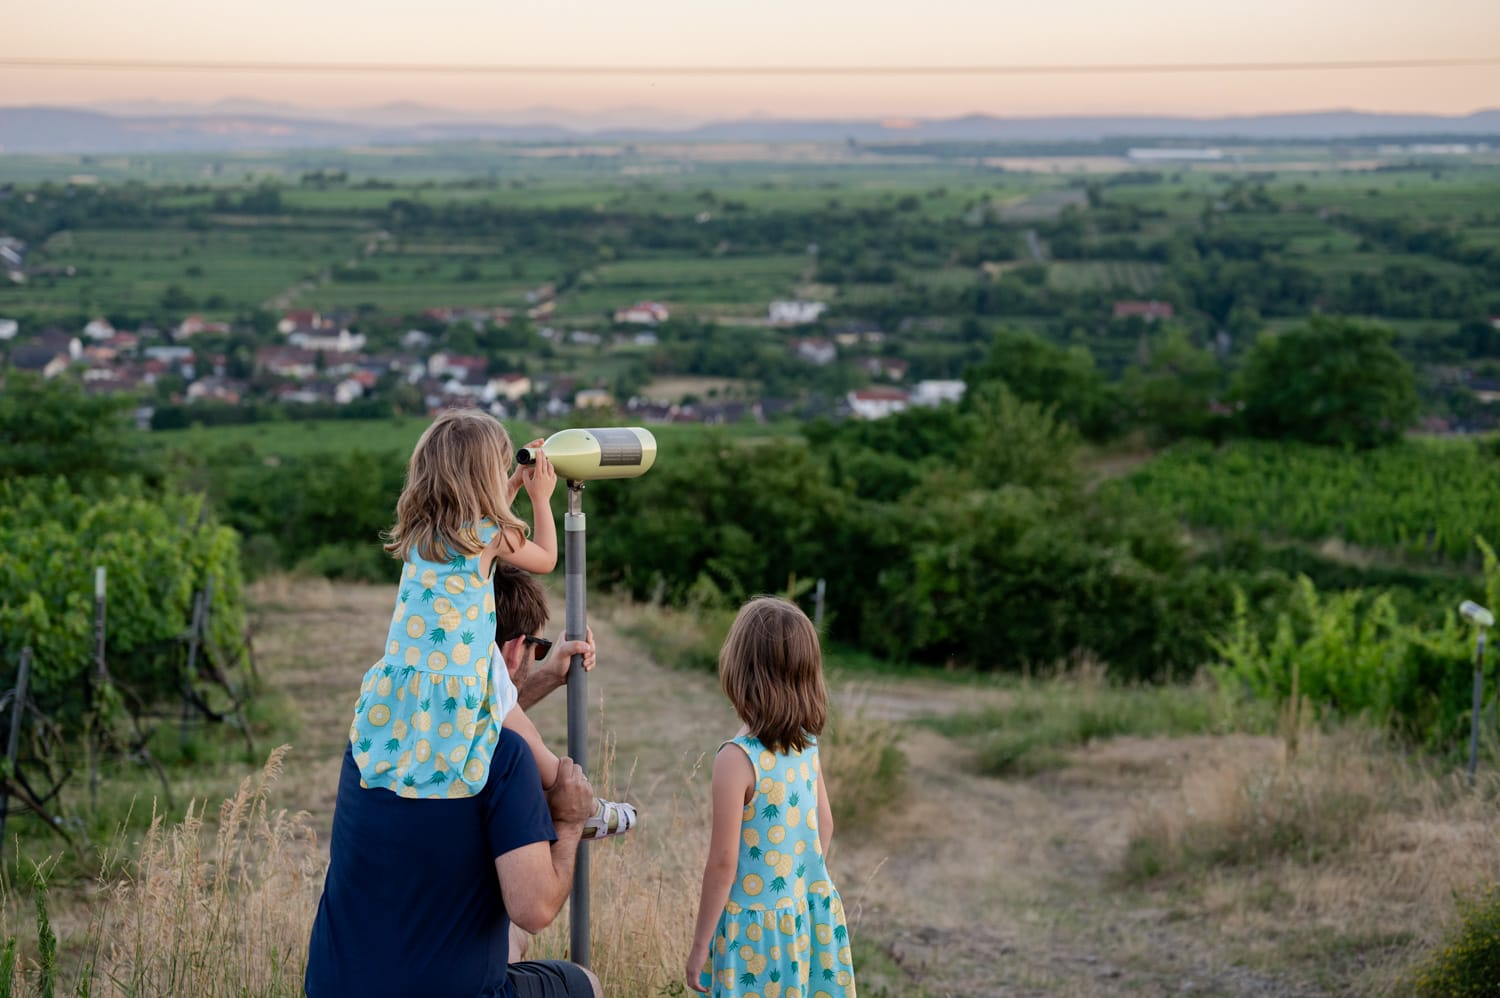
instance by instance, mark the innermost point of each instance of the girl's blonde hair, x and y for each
(771, 668)
(456, 479)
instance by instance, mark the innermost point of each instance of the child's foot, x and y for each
(610, 818)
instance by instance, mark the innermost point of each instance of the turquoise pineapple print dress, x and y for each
(782, 933)
(428, 713)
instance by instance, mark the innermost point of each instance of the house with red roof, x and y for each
(1151, 311)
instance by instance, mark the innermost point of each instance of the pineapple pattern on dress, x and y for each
(782, 933)
(428, 712)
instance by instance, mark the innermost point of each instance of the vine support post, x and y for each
(17, 712)
(1478, 696)
(1483, 619)
(195, 629)
(92, 735)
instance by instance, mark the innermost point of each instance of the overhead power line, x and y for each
(550, 69)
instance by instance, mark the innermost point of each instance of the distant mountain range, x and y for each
(141, 127)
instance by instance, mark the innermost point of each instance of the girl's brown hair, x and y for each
(456, 479)
(771, 669)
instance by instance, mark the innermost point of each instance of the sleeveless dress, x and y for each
(428, 712)
(782, 933)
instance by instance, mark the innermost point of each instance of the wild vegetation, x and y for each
(1192, 577)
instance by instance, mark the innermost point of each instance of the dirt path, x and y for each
(972, 886)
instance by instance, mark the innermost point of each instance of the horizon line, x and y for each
(546, 69)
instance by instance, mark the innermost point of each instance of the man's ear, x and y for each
(512, 651)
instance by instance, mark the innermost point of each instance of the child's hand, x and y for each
(540, 479)
(518, 477)
(694, 972)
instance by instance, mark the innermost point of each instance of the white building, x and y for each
(593, 398)
(645, 313)
(342, 341)
(511, 387)
(877, 403)
(937, 392)
(347, 391)
(796, 313)
(1149, 155)
(818, 351)
(99, 329)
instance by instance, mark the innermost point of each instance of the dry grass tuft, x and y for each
(643, 894)
(228, 917)
(233, 920)
(294, 593)
(1358, 845)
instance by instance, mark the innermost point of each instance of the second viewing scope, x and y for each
(608, 452)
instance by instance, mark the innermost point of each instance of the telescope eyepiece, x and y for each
(524, 456)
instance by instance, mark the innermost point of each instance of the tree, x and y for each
(1172, 390)
(1064, 378)
(1333, 381)
(56, 428)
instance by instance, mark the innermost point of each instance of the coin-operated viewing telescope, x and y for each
(586, 455)
(582, 456)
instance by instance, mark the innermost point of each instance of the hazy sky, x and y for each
(770, 32)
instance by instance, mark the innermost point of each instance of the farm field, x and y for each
(396, 437)
(1423, 500)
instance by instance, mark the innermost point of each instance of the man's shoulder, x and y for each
(512, 763)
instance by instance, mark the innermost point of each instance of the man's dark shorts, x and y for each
(549, 979)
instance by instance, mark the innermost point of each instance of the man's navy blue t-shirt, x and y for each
(411, 905)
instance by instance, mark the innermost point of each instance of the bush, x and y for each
(157, 551)
(1468, 961)
(1351, 653)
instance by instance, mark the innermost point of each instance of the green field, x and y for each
(397, 436)
(1104, 275)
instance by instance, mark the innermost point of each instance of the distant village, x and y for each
(318, 360)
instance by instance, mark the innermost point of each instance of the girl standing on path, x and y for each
(428, 713)
(770, 921)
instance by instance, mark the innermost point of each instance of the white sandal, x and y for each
(609, 818)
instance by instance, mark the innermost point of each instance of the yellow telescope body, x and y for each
(581, 455)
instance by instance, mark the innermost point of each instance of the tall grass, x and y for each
(1046, 718)
(1366, 846)
(227, 915)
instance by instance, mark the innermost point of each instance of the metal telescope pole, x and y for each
(580, 455)
(578, 722)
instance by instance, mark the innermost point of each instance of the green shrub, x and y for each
(157, 551)
(1467, 963)
(1351, 653)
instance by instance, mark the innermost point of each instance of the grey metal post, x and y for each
(192, 666)
(1478, 696)
(99, 674)
(818, 595)
(578, 722)
(17, 712)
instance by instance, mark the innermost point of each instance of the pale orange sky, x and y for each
(771, 32)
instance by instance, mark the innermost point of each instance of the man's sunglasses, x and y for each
(542, 645)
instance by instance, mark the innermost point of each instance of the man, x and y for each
(421, 894)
